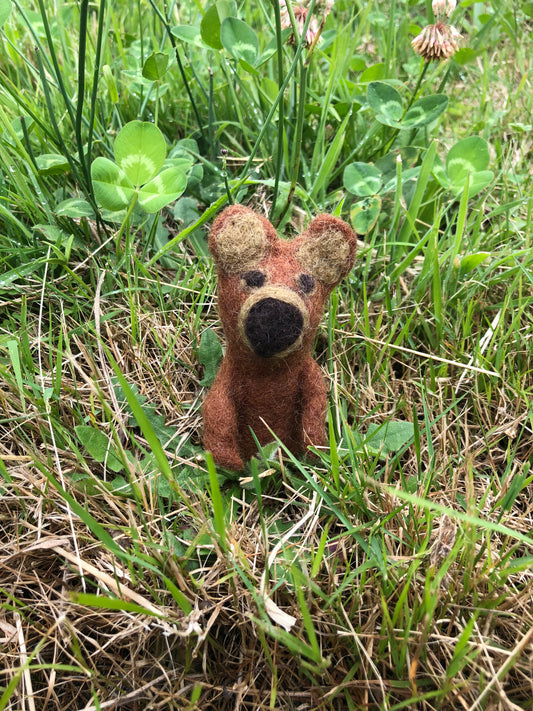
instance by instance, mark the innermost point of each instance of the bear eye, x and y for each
(306, 282)
(254, 279)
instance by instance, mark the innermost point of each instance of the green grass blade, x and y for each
(216, 500)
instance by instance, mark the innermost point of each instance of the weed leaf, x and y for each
(5, 11)
(99, 446)
(478, 182)
(163, 433)
(52, 164)
(470, 261)
(364, 214)
(209, 355)
(212, 20)
(467, 156)
(239, 40)
(386, 102)
(155, 66)
(387, 438)
(425, 111)
(362, 179)
(188, 33)
(75, 208)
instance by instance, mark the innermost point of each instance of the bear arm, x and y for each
(220, 427)
(314, 406)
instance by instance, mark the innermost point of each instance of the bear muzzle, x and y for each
(272, 321)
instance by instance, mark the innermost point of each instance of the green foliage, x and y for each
(364, 214)
(155, 66)
(209, 355)
(5, 11)
(386, 103)
(362, 179)
(389, 109)
(99, 446)
(157, 422)
(240, 41)
(215, 56)
(212, 19)
(388, 438)
(470, 261)
(468, 160)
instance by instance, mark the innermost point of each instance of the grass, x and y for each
(395, 571)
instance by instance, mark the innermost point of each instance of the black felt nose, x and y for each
(272, 325)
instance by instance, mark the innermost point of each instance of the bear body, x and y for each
(271, 295)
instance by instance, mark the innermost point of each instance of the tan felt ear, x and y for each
(327, 249)
(238, 239)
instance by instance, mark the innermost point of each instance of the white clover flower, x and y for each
(300, 11)
(436, 42)
(443, 8)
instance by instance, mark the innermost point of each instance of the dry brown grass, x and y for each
(386, 634)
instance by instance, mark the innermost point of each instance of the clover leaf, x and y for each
(140, 152)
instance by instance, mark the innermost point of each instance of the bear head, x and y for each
(271, 292)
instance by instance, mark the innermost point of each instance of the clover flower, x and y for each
(300, 10)
(439, 41)
(443, 8)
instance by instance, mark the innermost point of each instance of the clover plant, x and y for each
(137, 173)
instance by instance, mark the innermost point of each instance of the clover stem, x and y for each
(281, 109)
(412, 98)
(156, 117)
(126, 224)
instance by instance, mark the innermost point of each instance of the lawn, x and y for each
(392, 569)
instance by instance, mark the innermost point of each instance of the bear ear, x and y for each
(240, 239)
(327, 249)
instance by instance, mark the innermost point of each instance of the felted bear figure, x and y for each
(271, 295)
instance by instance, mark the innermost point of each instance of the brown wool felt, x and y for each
(239, 242)
(271, 295)
(326, 258)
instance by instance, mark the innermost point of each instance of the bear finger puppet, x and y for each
(271, 295)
